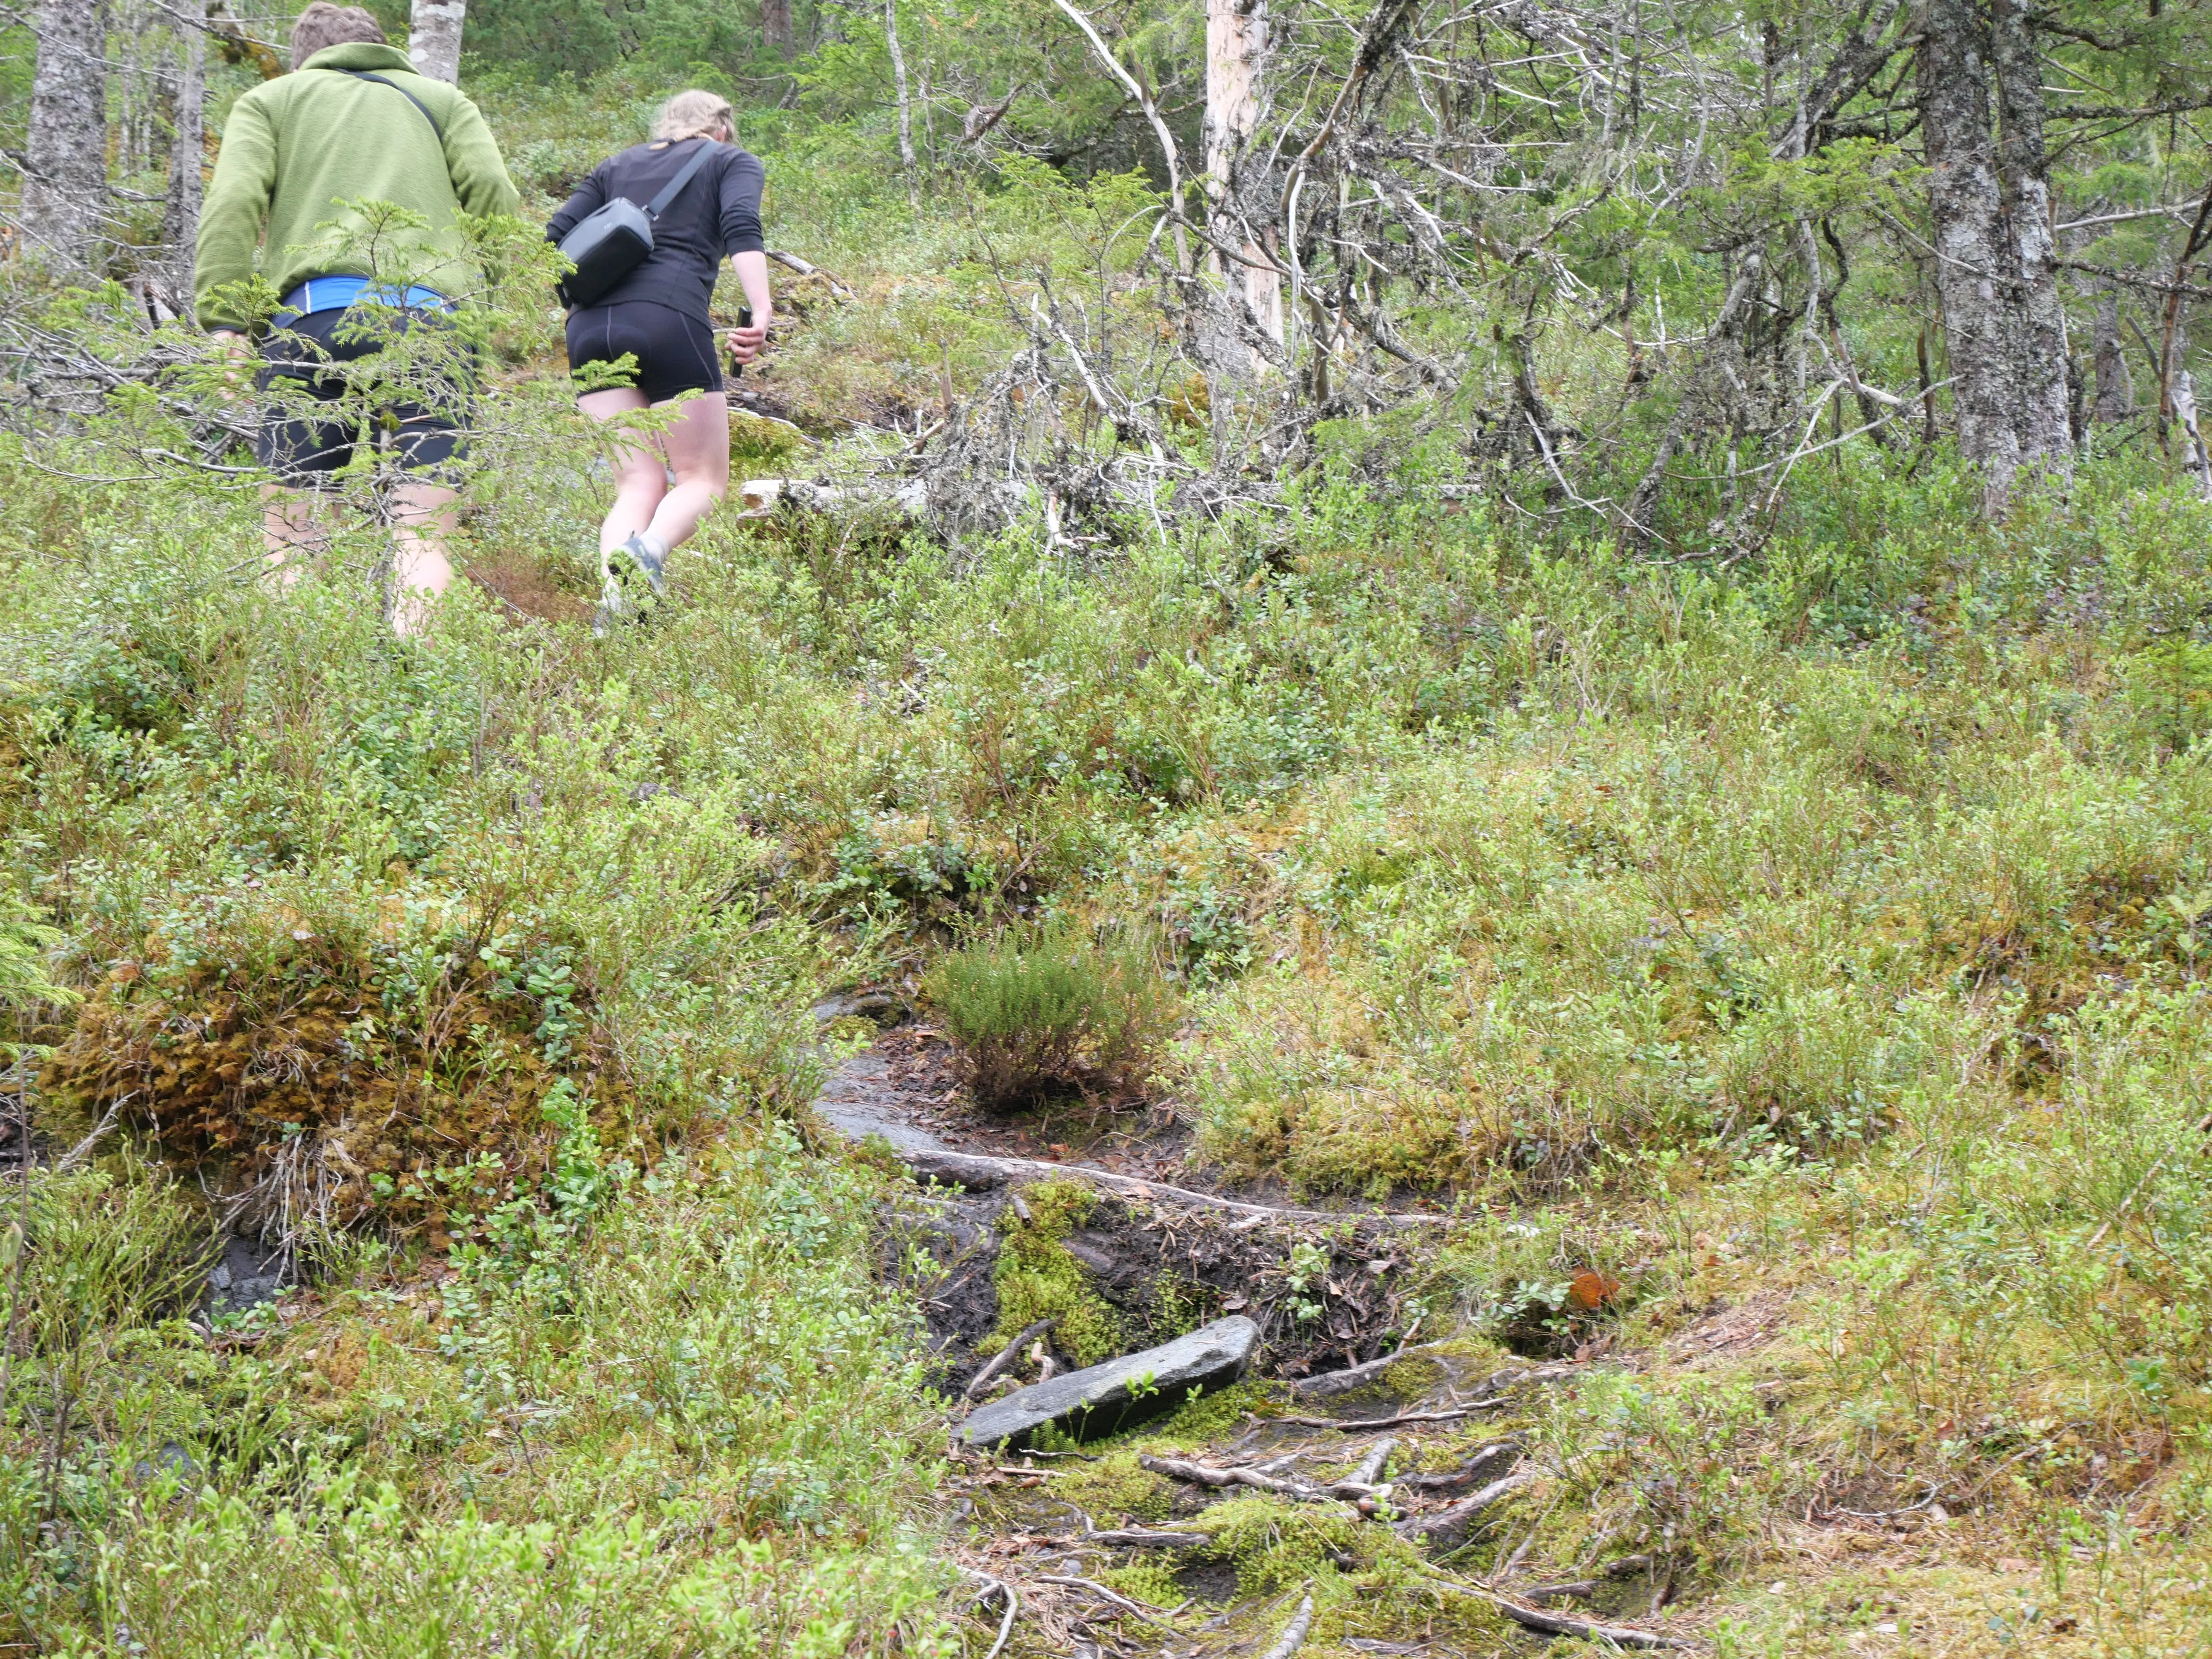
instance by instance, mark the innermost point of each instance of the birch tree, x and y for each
(1236, 99)
(434, 37)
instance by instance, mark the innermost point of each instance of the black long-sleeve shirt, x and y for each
(717, 214)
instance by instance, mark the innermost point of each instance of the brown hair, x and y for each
(693, 115)
(325, 25)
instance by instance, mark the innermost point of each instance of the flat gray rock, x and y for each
(1102, 1401)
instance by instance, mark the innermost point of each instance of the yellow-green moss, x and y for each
(1037, 1277)
(1116, 1486)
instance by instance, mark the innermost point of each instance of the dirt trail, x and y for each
(1370, 1446)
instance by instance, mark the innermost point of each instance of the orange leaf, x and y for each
(1589, 1290)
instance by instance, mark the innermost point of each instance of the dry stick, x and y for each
(1351, 1426)
(1006, 1624)
(1099, 1590)
(1201, 1474)
(792, 262)
(1465, 1510)
(1559, 1624)
(1294, 1634)
(1005, 1357)
(2204, 1127)
(2174, 311)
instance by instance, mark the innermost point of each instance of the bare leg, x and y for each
(291, 522)
(640, 480)
(422, 517)
(698, 449)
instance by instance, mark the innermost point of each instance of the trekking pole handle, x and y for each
(744, 320)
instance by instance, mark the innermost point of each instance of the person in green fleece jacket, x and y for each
(353, 122)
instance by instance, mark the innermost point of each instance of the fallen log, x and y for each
(977, 1173)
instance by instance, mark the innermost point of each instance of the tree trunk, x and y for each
(2115, 393)
(1972, 270)
(2040, 347)
(434, 37)
(65, 159)
(905, 100)
(776, 25)
(1236, 96)
(181, 218)
(2193, 456)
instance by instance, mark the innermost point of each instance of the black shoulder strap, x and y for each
(364, 75)
(659, 205)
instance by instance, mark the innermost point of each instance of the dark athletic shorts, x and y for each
(300, 449)
(675, 351)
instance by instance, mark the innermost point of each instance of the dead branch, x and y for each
(1560, 1624)
(1005, 1357)
(1294, 1633)
(977, 1173)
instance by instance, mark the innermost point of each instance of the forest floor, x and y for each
(1750, 1012)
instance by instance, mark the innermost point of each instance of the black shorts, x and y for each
(675, 350)
(301, 448)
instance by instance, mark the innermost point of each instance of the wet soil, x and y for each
(1324, 1294)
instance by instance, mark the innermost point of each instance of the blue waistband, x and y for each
(336, 293)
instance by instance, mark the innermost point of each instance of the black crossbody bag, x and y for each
(614, 241)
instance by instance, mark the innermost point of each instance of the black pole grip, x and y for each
(744, 320)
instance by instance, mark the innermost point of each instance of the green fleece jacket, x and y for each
(295, 146)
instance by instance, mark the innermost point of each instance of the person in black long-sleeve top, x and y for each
(658, 314)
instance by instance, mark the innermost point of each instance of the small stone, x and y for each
(1102, 1400)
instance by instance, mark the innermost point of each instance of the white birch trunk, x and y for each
(1236, 99)
(905, 100)
(434, 37)
(2185, 413)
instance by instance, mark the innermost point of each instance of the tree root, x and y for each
(1452, 1523)
(1560, 1624)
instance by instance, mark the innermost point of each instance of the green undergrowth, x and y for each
(1790, 970)
(698, 1432)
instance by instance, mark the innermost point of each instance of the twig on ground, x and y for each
(1461, 1514)
(1007, 1356)
(1006, 1624)
(1560, 1624)
(1127, 1538)
(1294, 1634)
(1100, 1590)
(1403, 1421)
(1203, 1475)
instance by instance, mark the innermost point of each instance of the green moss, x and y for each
(1037, 1277)
(1149, 1581)
(1277, 1545)
(1117, 1485)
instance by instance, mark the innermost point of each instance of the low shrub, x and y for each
(1049, 1014)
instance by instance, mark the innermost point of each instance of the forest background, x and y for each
(1607, 600)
